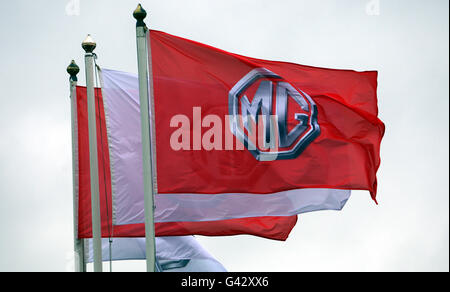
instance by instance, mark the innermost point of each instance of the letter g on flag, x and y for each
(290, 143)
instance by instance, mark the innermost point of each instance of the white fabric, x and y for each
(121, 99)
(198, 207)
(168, 250)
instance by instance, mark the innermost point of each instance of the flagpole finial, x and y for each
(88, 44)
(73, 70)
(140, 14)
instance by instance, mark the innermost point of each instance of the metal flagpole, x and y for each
(142, 56)
(89, 45)
(80, 265)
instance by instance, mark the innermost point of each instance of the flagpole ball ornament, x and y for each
(140, 14)
(73, 70)
(88, 44)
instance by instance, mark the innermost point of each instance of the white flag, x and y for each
(173, 254)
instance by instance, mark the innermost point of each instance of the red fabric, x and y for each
(277, 228)
(188, 74)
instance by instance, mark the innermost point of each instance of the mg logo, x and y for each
(285, 118)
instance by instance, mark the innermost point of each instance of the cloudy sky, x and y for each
(406, 41)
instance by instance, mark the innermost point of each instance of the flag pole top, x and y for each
(140, 14)
(73, 70)
(88, 44)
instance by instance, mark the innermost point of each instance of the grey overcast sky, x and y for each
(406, 41)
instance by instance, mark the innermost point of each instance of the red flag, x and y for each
(277, 228)
(329, 134)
